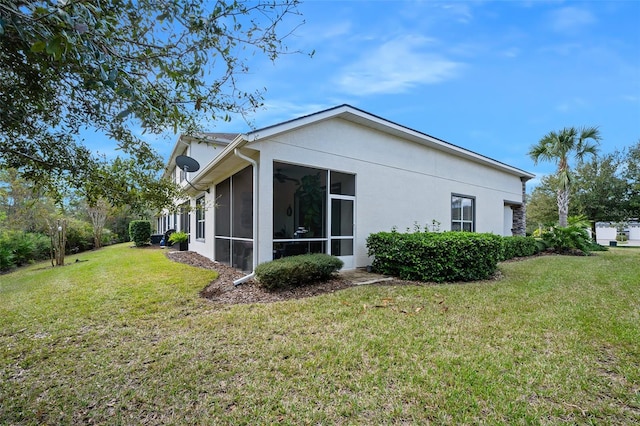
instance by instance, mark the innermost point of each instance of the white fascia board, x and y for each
(239, 140)
(270, 131)
(187, 140)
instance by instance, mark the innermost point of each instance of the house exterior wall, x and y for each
(399, 183)
(204, 153)
(203, 246)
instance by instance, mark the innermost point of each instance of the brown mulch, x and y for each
(222, 289)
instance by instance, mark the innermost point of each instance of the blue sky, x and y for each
(489, 76)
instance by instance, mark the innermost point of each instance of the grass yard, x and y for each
(123, 338)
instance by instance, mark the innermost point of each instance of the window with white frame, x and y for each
(463, 213)
(200, 210)
(313, 211)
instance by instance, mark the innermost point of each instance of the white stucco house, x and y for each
(325, 181)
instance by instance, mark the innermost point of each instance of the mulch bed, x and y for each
(222, 289)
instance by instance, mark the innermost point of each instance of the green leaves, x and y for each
(119, 66)
(557, 147)
(438, 257)
(56, 47)
(297, 270)
(568, 240)
(38, 46)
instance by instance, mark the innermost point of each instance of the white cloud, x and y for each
(395, 67)
(335, 29)
(512, 52)
(563, 49)
(460, 11)
(571, 19)
(630, 98)
(571, 105)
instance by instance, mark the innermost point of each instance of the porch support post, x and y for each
(256, 181)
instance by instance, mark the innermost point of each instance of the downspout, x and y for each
(254, 163)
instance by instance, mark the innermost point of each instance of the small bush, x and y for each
(108, 237)
(79, 236)
(297, 270)
(568, 240)
(517, 246)
(178, 237)
(140, 232)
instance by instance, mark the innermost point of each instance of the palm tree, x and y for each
(557, 147)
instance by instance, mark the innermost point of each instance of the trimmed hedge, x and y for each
(140, 232)
(297, 270)
(438, 257)
(517, 246)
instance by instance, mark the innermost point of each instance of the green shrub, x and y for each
(18, 248)
(297, 270)
(518, 246)
(41, 247)
(597, 247)
(541, 244)
(568, 240)
(108, 237)
(178, 237)
(140, 232)
(79, 236)
(439, 257)
(6, 257)
(385, 247)
(22, 246)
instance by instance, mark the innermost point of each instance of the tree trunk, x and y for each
(58, 234)
(98, 215)
(563, 207)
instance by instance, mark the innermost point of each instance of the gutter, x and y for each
(254, 163)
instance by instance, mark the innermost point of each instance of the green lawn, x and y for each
(123, 338)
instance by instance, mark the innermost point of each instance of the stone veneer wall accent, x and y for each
(520, 213)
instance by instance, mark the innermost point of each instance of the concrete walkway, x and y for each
(361, 277)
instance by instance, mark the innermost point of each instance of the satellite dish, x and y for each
(187, 164)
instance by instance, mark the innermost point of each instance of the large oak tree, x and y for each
(121, 66)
